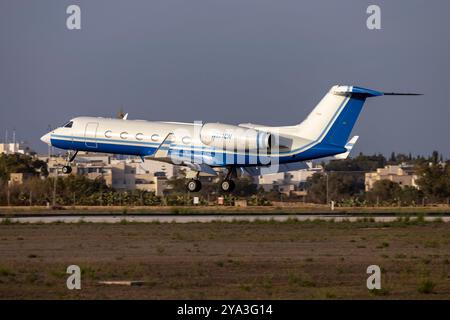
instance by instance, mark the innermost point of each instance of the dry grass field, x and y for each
(262, 260)
(276, 208)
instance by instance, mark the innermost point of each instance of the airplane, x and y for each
(204, 147)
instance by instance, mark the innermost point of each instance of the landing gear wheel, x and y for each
(194, 186)
(227, 185)
(67, 169)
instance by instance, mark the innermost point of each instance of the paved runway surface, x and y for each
(201, 218)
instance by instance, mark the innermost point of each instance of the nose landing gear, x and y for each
(67, 169)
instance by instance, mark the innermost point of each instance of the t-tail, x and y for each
(332, 120)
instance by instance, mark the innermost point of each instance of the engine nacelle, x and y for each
(229, 137)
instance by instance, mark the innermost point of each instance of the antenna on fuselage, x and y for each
(121, 114)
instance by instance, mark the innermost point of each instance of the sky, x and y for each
(233, 61)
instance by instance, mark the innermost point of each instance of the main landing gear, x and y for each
(67, 169)
(227, 185)
(194, 185)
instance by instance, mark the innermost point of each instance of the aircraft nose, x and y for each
(46, 138)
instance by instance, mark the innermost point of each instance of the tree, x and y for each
(12, 163)
(434, 180)
(360, 163)
(341, 186)
(384, 191)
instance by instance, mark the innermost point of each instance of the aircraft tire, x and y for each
(66, 169)
(227, 185)
(194, 185)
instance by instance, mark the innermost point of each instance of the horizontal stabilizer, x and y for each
(349, 146)
(401, 94)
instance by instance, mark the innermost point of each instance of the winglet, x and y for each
(349, 147)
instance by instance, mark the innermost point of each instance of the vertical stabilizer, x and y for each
(332, 120)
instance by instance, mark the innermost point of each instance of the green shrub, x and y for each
(426, 287)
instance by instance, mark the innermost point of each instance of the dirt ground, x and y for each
(276, 208)
(270, 260)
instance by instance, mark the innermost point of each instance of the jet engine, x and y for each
(229, 137)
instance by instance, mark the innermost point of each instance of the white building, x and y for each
(126, 174)
(12, 148)
(402, 174)
(286, 182)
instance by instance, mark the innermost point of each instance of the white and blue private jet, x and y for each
(203, 147)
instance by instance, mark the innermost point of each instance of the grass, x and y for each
(432, 244)
(383, 245)
(300, 280)
(275, 260)
(6, 221)
(181, 210)
(220, 264)
(426, 287)
(160, 250)
(4, 272)
(380, 292)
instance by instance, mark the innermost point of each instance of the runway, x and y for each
(201, 218)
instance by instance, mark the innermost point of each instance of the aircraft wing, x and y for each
(163, 149)
(200, 168)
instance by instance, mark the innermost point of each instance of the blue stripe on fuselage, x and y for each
(104, 147)
(216, 158)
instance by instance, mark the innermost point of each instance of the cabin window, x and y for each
(155, 137)
(68, 124)
(124, 135)
(186, 140)
(108, 134)
(139, 136)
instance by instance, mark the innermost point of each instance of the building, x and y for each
(14, 147)
(152, 183)
(291, 182)
(156, 167)
(18, 178)
(126, 174)
(402, 174)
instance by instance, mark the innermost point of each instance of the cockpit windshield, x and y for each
(68, 124)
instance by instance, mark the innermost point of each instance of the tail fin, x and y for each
(349, 146)
(332, 120)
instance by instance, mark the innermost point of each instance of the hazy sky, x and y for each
(261, 61)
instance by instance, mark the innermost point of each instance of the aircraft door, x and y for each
(90, 135)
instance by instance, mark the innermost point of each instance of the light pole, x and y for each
(54, 186)
(327, 180)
